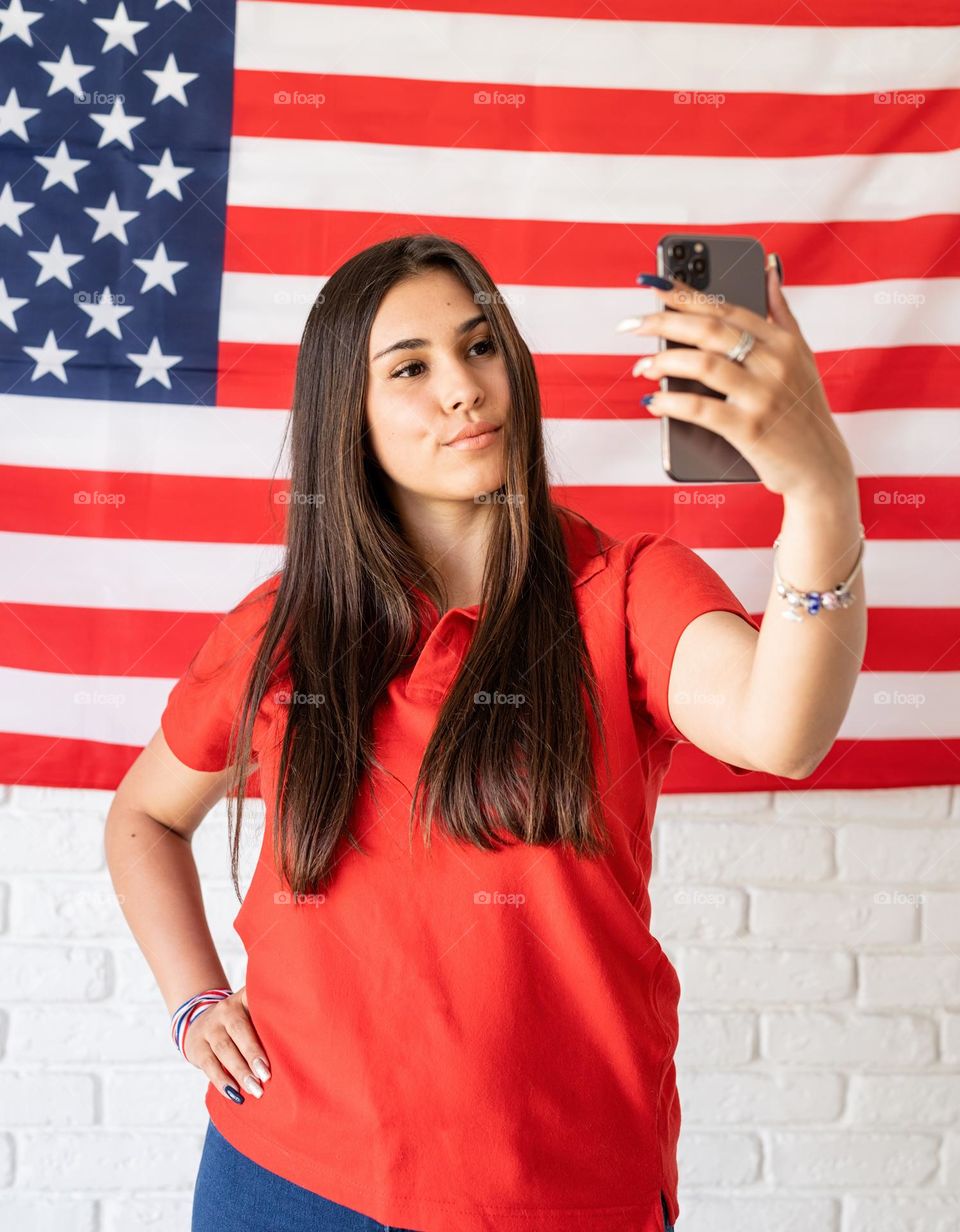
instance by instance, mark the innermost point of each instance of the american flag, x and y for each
(179, 178)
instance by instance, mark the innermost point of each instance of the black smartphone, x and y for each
(727, 266)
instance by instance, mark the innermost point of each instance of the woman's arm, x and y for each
(775, 700)
(149, 828)
(772, 700)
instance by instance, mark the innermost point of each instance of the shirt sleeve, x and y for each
(668, 585)
(202, 705)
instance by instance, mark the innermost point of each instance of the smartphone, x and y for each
(727, 266)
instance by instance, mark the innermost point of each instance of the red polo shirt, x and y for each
(469, 1041)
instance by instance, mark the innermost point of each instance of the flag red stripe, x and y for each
(51, 762)
(109, 642)
(261, 240)
(311, 106)
(101, 641)
(850, 764)
(125, 505)
(601, 387)
(195, 508)
(747, 515)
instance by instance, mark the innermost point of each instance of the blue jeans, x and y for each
(233, 1192)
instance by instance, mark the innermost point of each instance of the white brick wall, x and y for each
(817, 937)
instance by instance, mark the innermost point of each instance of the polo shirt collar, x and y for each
(444, 639)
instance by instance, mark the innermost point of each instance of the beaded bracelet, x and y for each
(816, 600)
(184, 1015)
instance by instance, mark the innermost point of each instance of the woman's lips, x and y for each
(475, 442)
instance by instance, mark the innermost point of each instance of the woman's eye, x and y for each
(416, 363)
(406, 368)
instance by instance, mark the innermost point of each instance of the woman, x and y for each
(472, 1029)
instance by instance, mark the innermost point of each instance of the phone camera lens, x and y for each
(699, 265)
(680, 251)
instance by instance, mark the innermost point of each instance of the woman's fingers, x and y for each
(223, 1043)
(694, 329)
(234, 1062)
(715, 371)
(240, 1026)
(199, 1053)
(688, 301)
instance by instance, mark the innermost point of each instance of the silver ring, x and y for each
(742, 347)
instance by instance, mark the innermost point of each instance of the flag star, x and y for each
(165, 176)
(8, 306)
(154, 364)
(62, 169)
(116, 125)
(104, 312)
(11, 209)
(15, 21)
(184, 4)
(49, 358)
(65, 74)
(120, 30)
(13, 117)
(111, 220)
(55, 263)
(170, 81)
(159, 270)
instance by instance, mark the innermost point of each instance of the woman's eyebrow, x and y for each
(411, 344)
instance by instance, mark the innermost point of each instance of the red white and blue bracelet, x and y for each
(814, 601)
(185, 1014)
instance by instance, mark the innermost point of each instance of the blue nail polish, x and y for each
(654, 280)
(646, 399)
(234, 1094)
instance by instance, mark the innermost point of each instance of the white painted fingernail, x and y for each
(642, 365)
(628, 323)
(260, 1069)
(250, 1084)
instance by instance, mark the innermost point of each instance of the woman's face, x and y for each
(442, 378)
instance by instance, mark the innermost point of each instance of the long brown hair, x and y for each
(344, 621)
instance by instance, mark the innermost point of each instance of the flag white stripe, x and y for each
(159, 575)
(150, 438)
(292, 173)
(126, 709)
(225, 442)
(488, 48)
(273, 308)
(131, 574)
